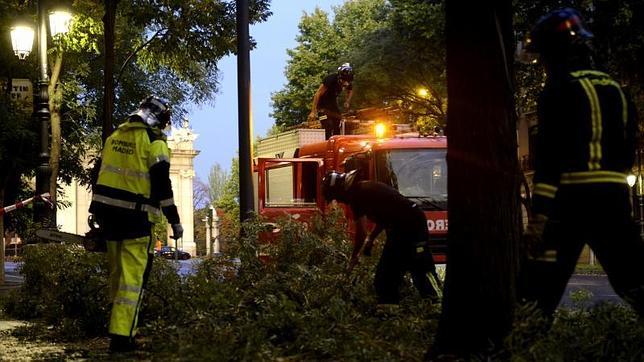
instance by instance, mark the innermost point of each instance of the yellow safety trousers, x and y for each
(128, 260)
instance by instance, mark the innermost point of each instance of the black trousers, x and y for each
(330, 120)
(598, 215)
(404, 252)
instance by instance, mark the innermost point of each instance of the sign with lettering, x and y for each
(21, 92)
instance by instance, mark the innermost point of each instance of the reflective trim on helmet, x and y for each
(125, 172)
(166, 202)
(156, 102)
(585, 177)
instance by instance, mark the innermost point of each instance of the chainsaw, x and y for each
(92, 241)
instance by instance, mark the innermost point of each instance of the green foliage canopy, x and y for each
(396, 48)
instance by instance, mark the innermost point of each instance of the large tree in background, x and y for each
(402, 64)
(484, 214)
(323, 45)
(168, 48)
(217, 180)
(396, 48)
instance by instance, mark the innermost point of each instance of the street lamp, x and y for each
(22, 37)
(59, 22)
(22, 40)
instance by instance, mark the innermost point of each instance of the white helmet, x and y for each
(154, 111)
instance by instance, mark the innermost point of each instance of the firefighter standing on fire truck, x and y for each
(325, 100)
(585, 148)
(407, 245)
(132, 190)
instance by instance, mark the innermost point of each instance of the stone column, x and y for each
(207, 226)
(182, 174)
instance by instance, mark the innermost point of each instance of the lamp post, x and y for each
(22, 36)
(640, 192)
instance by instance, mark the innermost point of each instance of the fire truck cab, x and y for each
(414, 165)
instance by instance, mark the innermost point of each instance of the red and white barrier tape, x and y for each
(18, 205)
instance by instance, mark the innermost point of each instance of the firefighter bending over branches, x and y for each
(585, 149)
(407, 245)
(132, 190)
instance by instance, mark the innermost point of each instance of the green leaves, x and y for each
(396, 48)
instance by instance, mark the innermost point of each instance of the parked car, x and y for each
(169, 251)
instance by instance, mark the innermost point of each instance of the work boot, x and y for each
(120, 344)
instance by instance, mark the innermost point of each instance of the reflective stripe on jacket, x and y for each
(125, 180)
(586, 135)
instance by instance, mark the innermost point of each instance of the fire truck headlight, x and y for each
(631, 179)
(380, 130)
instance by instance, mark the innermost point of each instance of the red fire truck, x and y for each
(413, 164)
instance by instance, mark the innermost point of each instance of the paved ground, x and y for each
(597, 285)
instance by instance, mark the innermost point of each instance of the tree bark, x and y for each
(55, 101)
(2, 235)
(484, 214)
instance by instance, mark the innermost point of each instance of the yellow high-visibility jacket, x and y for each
(133, 185)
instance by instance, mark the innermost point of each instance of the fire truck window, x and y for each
(420, 174)
(291, 184)
(360, 163)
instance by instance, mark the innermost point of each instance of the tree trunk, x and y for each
(484, 179)
(55, 101)
(108, 90)
(2, 236)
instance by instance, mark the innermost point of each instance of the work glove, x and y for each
(177, 231)
(533, 235)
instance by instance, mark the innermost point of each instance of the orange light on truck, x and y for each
(380, 130)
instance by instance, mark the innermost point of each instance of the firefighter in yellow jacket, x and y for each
(132, 190)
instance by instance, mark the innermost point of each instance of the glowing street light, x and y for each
(59, 22)
(422, 92)
(22, 40)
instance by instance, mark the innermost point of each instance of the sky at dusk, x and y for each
(217, 126)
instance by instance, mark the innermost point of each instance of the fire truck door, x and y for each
(289, 187)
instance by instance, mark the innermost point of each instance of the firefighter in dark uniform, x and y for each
(407, 245)
(132, 190)
(325, 104)
(585, 149)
